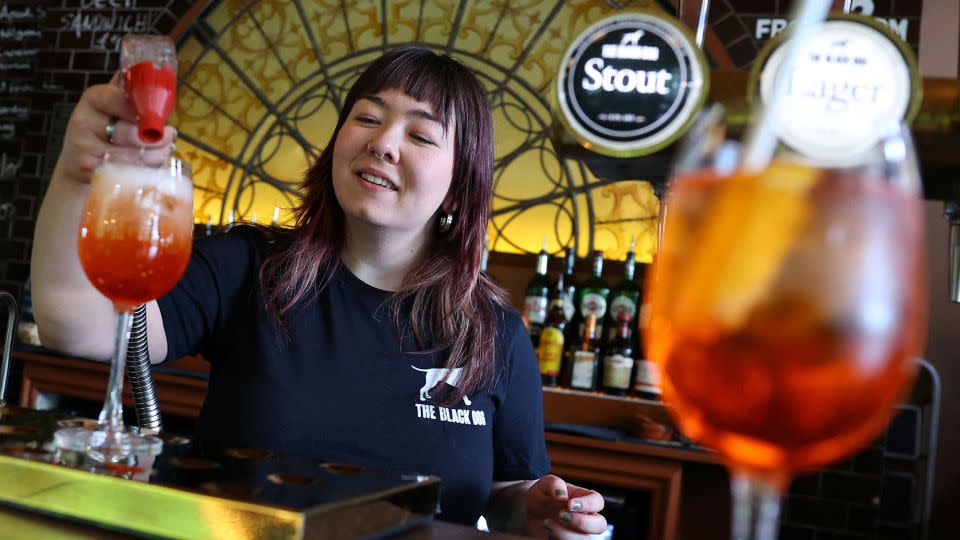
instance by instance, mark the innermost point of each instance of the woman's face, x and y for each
(403, 189)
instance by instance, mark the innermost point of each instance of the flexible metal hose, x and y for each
(11, 303)
(138, 370)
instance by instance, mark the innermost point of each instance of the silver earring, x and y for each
(446, 221)
(373, 150)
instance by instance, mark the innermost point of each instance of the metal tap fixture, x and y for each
(951, 211)
(11, 303)
(138, 372)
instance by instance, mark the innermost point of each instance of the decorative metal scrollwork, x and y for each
(261, 82)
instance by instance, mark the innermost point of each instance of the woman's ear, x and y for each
(449, 205)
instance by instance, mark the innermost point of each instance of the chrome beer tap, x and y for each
(951, 211)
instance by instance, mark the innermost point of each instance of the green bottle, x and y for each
(569, 284)
(535, 301)
(618, 360)
(626, 295)
(594, 294)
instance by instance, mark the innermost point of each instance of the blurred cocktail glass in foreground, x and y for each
(787, 310)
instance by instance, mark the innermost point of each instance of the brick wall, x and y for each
(77, 45)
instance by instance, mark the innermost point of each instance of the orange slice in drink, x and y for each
(742, 243)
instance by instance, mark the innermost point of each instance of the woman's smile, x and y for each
(393, 161)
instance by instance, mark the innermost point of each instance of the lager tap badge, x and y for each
(854, 83)
(631, 84)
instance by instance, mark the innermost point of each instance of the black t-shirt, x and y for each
(342, 388)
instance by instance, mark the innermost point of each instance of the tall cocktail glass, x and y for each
(134, 243)
(787, 310)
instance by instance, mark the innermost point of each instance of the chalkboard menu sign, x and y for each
(20, 45)
(50, 51)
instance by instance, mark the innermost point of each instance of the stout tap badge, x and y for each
(631, 84)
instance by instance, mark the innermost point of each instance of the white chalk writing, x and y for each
(20, 53)
(81, 22)
(108, 42)
(106, 4)
(10, 66)
(16, 111)
(7, 211)
(8, 14)
(7, 131)
(9, 167)
(11, 87)
(20, 34)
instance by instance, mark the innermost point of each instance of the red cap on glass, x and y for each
(148, 65)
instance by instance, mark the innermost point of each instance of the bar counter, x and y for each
(194, 490)
(20, 524)
(593, 439)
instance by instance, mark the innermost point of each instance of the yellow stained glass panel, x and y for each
(262, 81)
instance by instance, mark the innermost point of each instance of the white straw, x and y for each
(761, 141)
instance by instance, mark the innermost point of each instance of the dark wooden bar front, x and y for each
(33, 525)
(181, 384)
(687, 487)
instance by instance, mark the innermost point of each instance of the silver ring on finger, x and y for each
(109, 129)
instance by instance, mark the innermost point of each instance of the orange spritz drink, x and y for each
(788, 312)
(136, 232)
(135, 237)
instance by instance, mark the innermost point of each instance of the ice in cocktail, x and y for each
(136, 232)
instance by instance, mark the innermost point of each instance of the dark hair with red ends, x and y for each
(453, 306)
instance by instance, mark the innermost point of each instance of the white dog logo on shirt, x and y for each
(435, 375)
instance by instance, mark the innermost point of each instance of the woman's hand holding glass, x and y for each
(101, 111)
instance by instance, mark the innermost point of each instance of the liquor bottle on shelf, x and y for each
(618, 360)
(550, 348)
(583, 362)
(535, 301)
(640, 279)
(570, 288)
(625, 297)
(593, 296)
(646, 379)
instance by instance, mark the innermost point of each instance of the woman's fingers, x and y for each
(109, 101)
(147, 156)
(128, 134)
(575, 526)
(553, 487)
(586, 523)
(106, 104)
(590, 501)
